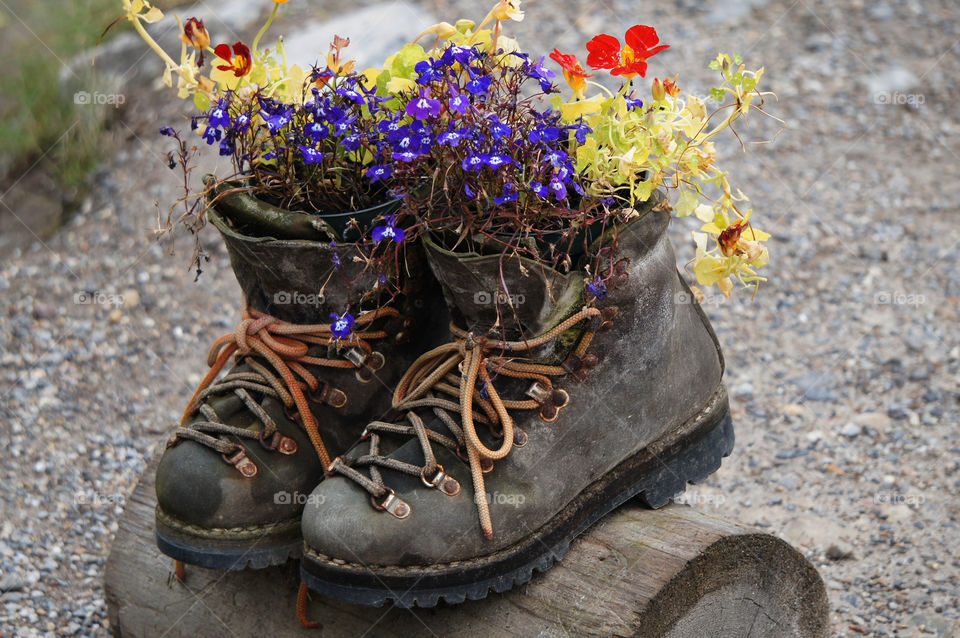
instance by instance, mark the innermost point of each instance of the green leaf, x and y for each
(736, 78)
(715, 65)
(686, 204)
(406, 60)
(717, 94)
(749, 84)
(737, 59)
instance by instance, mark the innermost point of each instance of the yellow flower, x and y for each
(572, 111)
(507, 10)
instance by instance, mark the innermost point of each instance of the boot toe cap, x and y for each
(194, 485)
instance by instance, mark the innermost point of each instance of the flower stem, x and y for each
(266, 25)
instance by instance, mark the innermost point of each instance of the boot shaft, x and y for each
(521, 298)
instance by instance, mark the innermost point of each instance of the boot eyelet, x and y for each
(442, 481)
(392, 504)
(520, 438)
(560, 398)
(375, 360)
(242, 462)
(291, 413)
(279, 442)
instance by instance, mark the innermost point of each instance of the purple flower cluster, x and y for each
(474, 122)
(291, 144)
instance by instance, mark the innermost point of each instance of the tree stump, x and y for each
(673, 572)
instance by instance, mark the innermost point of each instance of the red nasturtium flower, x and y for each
(240, 62)
(575, 74)
(641, 42)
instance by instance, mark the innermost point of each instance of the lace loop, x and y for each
(276, 353)
(477, 401)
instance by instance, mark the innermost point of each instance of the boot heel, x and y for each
(693, 464)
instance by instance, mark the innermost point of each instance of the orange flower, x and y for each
(670, 86)
(575, 74)
(195, 34)
(240, 62)
(641, 43)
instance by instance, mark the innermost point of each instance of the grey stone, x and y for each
(839, 551)
(851, 430)
(10, 582)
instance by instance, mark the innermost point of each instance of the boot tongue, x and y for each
(528, 296)
(295, 280)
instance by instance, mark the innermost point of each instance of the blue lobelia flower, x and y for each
(459, 103)
(211, 135)
(278, 119)
(542, 74)
(378, 172)
(463, 55)
(557, 157)
(429, 71)
(342, 325)
(469, 191)
(316, 131)
(509, 194)
(351, 142)
(390, 231)
(544, 134)
(423, 107)
(168, 131)
(581, 131)
(597, 288)
(242, 123)
(497, 160)
(558, 188)
(450, 138)
(352, 95)
(633, 103)
(475, 162)
(227, 146)
(499, 129)
(311, 155)
(539, 189)
(220, 115)
(337, 263)
(478, 85)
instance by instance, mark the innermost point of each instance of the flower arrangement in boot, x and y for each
(327, 318)
(299, 140)
(487, 154)
(600, 385)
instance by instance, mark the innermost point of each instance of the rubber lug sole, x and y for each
(655, 475)
(228, 555)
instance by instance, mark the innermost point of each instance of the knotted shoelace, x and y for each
(430, 381)
(276, 353)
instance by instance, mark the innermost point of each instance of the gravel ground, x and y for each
(844, 369)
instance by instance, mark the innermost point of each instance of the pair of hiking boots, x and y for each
(421, 458)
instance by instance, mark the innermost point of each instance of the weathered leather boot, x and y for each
(254, 442)
(499, 452)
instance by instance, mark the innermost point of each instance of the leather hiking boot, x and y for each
(503, 446)
(254, 442)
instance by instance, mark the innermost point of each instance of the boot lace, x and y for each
(276, 353)
(430, 383)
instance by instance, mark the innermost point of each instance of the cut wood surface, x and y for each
(672, 572)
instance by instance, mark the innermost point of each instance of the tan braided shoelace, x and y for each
(430, 380)
(261, 339)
